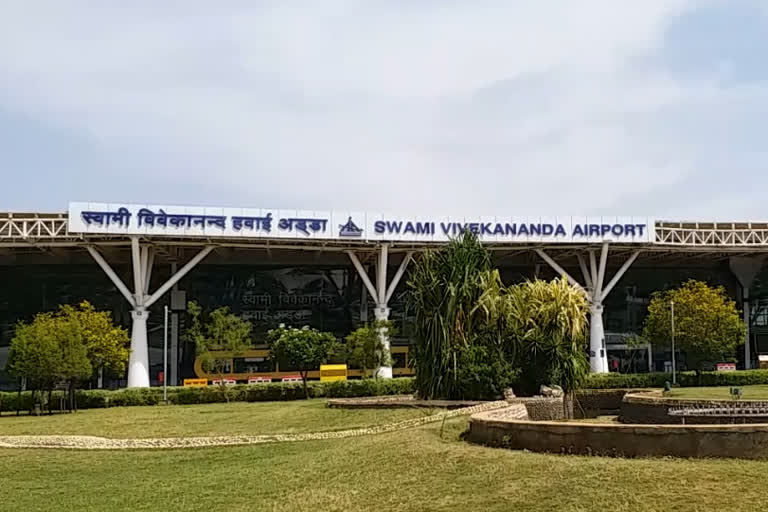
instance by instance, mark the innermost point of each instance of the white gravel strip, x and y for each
(103, 443)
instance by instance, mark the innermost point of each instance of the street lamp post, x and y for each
(674, 375)
(165, 355)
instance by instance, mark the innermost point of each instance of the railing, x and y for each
(749, 234)
(34, 227)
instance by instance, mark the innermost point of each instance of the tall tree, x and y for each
(304, 349)
(708, 327)
(107, 345)
(547, 333)
(48, 352)
(74, 364)
(443, 289)
(218, 339)
(475, 337)
(34, 354)
(364, 347)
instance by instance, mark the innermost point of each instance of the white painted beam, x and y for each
(178, 275)
(557, 268)
(111, 274)
(398, 276)
(364, 276)
(604, 293)
(138, 285)
(584, 270)
(601, 270)
(148, 270)
(593, 268)
(381, 286)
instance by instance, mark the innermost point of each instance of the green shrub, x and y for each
(684, 379)
(627, 380)
(277, 391)
(484, 373)
(737, 378)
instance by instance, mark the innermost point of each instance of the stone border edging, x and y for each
(400, 401)
(103, 443)
(748, 441)
(653, 408)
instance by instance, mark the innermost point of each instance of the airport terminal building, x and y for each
(334, 270)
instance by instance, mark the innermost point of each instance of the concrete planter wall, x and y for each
(652, 408)
(593, 401)
(740, 441)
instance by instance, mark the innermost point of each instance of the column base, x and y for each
(138, 364)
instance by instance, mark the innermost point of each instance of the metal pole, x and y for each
(674, 375)
(165, 354)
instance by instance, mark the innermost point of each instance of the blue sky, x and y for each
(490, 107)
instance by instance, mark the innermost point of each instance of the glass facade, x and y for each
(330, 298)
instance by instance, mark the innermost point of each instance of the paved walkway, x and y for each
(103, 443)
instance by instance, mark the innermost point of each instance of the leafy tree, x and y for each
(107, 346)
(49, 352)
(443, 289)
(365, 349)
(223, 336)
(547, 324)
(475, 337)
(708, 327)
(74, 364)
(34, 354)
(304, 349)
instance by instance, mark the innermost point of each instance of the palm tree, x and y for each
(444, 287)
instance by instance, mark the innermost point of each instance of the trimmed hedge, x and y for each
(277, 391)
(684, 379)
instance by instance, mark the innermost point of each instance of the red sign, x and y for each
(292, 378)
(726, 367)
(257, 380)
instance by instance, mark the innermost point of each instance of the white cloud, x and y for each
(515, 107)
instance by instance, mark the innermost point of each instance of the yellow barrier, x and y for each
(333, 372)
(195, 383)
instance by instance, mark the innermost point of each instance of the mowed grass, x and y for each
(423, 469)
(757, 392)
(236, 418)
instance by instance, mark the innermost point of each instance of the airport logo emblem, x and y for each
(350, 229)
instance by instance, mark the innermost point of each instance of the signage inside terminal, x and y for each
(100, 218)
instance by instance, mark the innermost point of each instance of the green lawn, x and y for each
(406, 471)
(721, 392)
(204, 420)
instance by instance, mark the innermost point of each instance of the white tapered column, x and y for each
(598, 360)
(381, 293)
(594, 277)
(138, 364)
(382, 311)
(140, 300)
(384, 371)
(746, 269)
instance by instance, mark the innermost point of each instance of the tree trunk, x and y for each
(568, 399)
(71, 392)
(304, 383)
(50, 402)
(32, 402)
(18, 401)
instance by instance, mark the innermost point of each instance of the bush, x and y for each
(628, 380)
(100, 398)
(684, 379)
(368, 387)
(483, 373)
(737, 378)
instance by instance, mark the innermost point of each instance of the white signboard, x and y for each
(185, 221)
